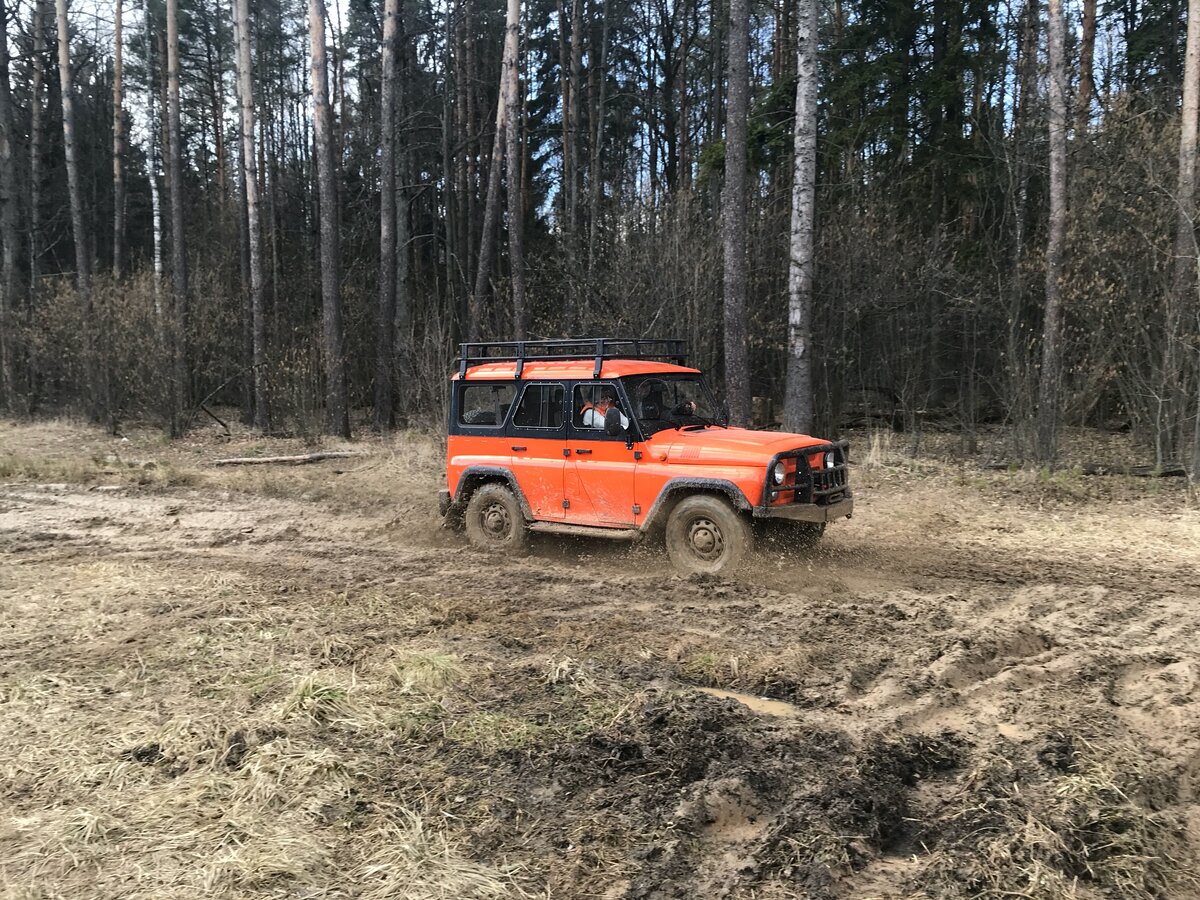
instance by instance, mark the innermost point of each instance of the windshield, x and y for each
(671, 401)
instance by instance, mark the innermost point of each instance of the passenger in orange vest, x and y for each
(593, 414)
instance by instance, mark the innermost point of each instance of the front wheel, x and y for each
(495, 522)
(705, 535)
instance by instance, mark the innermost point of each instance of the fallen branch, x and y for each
(301, 460)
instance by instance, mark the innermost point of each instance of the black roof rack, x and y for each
(662, 349)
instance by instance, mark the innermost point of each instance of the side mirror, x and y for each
(612, 422)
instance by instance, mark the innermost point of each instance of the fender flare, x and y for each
(490, 473)
(677, 486)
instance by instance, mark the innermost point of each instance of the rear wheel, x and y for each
(705, 535)
(495, 522)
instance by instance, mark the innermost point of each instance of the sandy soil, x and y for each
(270, 682)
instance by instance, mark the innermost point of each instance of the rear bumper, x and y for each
(807, 512)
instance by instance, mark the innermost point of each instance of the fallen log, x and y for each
(1170, 470)
(300, 460)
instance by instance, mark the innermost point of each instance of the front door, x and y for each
(599, 471)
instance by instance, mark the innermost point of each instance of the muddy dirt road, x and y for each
(293, 683)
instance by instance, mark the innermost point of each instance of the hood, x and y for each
(727, 446)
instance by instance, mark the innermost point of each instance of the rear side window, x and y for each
(484, 405)
(541, 406)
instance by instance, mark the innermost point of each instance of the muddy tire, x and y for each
(705, 535)
(495, 522)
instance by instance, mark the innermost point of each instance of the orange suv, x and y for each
(620, 438)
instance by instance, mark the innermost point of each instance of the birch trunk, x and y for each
(1184, 293)
(798, 400)
(118, 145)
(516, 208)
(337, 414)
(384, 330)
(83, 270)
(262, 414)
(1048, 389)
(179, 272)
(733, 226)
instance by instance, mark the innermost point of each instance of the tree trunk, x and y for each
(1087, 49)
(576, 89)
(1048, 390)
(337, 412)
(491, 215)
(154, 171)
(510, 85)
(597, 142)
(1184, 286)
(384, 334)
(241, 11)
(798, 401)
(118, 146)
(37, 82)
(179, 272)
(8, 222)
(733, 225)
(83, 269)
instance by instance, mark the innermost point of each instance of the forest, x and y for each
(952, 214)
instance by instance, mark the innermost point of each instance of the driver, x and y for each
(593, 413)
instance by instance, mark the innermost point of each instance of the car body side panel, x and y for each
(539, 467)
(599, 482)
(656, 470)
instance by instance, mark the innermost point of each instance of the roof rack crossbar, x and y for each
(478, 352)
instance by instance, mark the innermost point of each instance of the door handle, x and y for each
(582, 452)
(519, 449)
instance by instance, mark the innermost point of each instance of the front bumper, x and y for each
(807, 512)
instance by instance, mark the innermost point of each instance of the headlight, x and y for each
(830, 462)
(779, 473)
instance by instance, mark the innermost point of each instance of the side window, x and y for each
(540, 407)
(589, 404)
(485, 405)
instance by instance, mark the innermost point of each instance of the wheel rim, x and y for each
(495, 521)
(705, 539)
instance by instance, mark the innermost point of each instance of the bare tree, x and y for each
(491, 209)
(241, 15)
(594, 180)
(384, 333)
(337, 414)
(179, 272)
(8, 219)
(37, 86)
(118, 144)
(510, 85)
(798, 401)
(83, 269)
(1048, 389)
(1184, 283)
(1087, 49)
(733, 224)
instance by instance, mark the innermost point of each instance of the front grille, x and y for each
(812, 484)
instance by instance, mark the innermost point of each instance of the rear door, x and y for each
(599, 470)
(538, 438)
